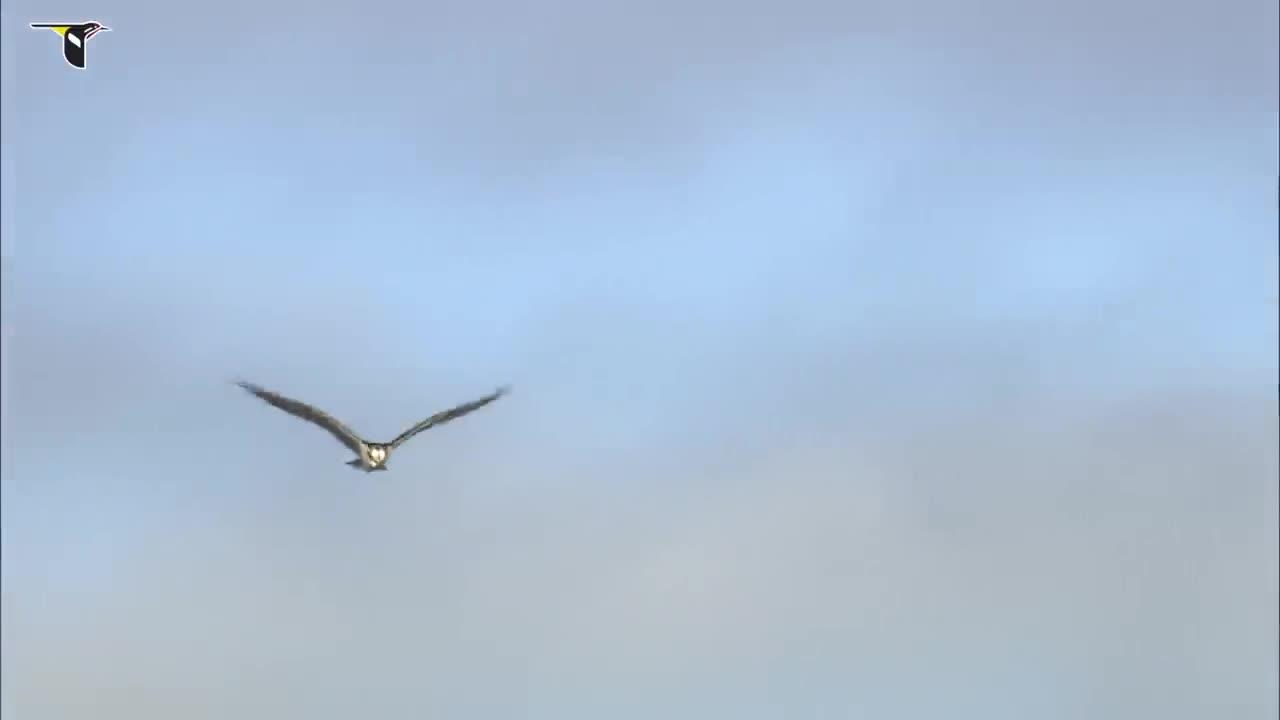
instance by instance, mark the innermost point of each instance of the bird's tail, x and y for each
(358, 465)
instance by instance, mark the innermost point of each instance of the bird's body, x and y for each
(370, 456)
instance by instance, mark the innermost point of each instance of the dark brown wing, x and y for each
(446, 415)
(308, 413)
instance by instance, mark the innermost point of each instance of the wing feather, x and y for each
(304, 411)
(445, 416)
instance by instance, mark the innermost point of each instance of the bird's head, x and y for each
(93, 27)
(377, 454)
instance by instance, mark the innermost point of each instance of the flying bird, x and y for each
(371, 456)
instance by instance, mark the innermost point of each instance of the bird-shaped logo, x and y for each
(74, 38)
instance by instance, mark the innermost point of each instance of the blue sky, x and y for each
(867, 360)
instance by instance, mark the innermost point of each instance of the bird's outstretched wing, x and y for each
(308, 413)
(445, 416)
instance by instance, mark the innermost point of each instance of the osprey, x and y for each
(371, 455)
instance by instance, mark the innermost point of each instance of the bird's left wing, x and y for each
(304, 411)
(445, 416)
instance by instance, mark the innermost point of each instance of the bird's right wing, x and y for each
(445, 416)
(306, 412)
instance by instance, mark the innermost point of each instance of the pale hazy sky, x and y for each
(870, 359)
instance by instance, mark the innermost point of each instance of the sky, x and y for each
(868, 359)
